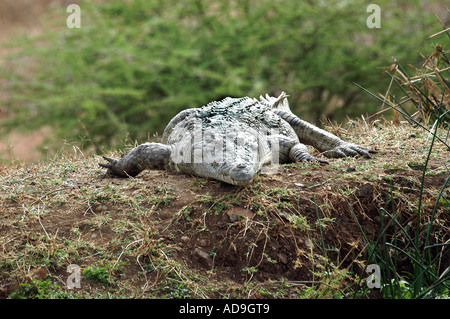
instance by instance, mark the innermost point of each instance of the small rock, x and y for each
(308, 243)
(8, 288)
(203, 257)
(282, 258)
(364, 191)
(39, 273)
(184, 238)
(236, 213)
(101, 208)
(202, 243)
(166, 215)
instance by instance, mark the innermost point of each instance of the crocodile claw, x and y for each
(110, 165)
(109, 159)
(114, 167)
(348, 149)
(321, 161)
(314, 159)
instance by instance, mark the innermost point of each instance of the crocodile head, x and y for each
(235, 174)
(234, 160)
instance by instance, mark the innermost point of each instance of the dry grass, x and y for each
(302, 233)
(427, 91)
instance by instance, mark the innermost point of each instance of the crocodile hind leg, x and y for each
(144, 156)
(330, 145)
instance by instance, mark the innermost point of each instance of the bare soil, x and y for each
(285, 229)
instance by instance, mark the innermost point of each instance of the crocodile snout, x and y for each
(242, 173)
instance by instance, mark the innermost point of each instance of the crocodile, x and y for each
(232, 140)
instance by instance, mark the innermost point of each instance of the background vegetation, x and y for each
(134, 64)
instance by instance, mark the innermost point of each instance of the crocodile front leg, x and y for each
(330, 145)
(299, 153)
(144, 156)
(292, 150)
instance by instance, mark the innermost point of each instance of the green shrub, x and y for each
(134, 64)
(39, 289)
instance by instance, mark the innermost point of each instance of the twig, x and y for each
(295, 283)
(39, 219)
(46, 194)
(440, 32)
(89, 208)
(402, 113)
(126, 247)
(417, 77)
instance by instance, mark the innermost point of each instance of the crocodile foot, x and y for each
(346, 149)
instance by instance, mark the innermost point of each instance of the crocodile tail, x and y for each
(280, 103)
